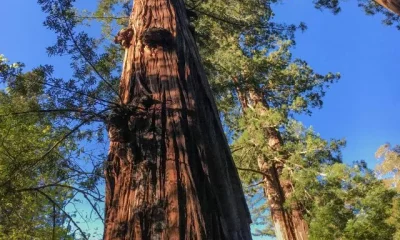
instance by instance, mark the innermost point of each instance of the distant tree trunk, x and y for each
(169, 174)
(392, 5)
(289, 224)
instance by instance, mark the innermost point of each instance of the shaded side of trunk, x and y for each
(289, 224)
(392, 5)
(169, 174)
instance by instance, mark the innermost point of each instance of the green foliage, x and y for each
(289, 85)
(350, 203)
(25, 164)
(39, 173)
(395, 217)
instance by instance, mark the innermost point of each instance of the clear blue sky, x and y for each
(363, 107)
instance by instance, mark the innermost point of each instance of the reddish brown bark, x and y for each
(169, 173)
(392, 5)
(289, 223)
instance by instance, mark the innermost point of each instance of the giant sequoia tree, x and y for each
(169, 173)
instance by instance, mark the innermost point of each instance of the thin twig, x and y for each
(85, 194)
(48, 111)
(93, 17)
(87, 60)
(61, 209)
(252, 170)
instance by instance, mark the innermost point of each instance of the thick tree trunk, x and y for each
(289, 223)
(392, 5)
(169, 173)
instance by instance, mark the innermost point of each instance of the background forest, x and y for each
(307, 95)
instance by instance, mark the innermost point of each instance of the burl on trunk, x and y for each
(169, 173)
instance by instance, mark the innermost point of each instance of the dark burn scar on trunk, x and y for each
(122, 229)
(154, 37)
(123, 119)
(154, 214)
(117, 126)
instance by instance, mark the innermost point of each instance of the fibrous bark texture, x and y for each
(169, 174)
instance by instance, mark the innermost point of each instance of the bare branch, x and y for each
(85, 194)
(111, 17)
(252, 170)
(61, 209)
(89, 62)
(255, 184)
(48, 111)
(239, 24)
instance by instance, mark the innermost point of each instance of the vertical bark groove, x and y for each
(172, 175)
